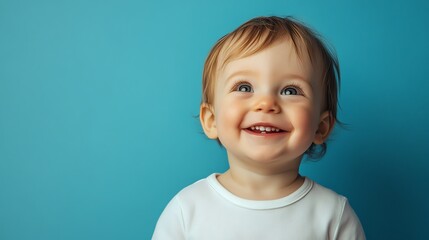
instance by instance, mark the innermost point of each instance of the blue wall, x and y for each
(98, 98)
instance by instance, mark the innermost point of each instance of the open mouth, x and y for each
(264, 130)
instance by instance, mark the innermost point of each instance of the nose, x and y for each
(267, 104)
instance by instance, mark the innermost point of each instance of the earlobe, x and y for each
(325, 127)
(207, 119)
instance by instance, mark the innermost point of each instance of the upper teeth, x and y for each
(265, 129)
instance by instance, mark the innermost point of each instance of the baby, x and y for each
(269, 97)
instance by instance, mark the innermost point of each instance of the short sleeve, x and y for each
(349, 227)
(170, 224)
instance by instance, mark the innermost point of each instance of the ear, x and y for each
(207, 119)
(326, 125)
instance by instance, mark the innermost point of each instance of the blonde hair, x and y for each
(259, 33)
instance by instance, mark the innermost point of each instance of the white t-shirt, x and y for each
(206, 210)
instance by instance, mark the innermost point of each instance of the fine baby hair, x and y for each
(259, 33)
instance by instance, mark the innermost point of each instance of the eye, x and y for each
(289, 91)
(243, 87)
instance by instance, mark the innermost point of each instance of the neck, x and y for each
(261, 184)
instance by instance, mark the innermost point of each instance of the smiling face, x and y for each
(267, 107)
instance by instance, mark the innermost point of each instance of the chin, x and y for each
(267, 159)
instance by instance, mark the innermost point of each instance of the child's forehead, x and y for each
(281, 54)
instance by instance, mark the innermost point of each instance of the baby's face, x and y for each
(267, 106)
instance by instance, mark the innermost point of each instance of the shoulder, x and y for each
(325, 194)
(196, 189)
(338, 212)
(173, 222)
(322, 202)
(199, 194)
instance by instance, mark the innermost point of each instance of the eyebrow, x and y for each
(241, 72)
(250, 72)
(299, 78)
(294, 77)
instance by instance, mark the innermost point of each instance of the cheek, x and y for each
(304, 119)
(228, 116)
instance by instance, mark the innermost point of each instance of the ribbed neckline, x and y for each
(260, 204)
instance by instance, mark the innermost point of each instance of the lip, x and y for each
(264, 124)
(271, 134)
(264, 134)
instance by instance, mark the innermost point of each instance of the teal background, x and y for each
(98, 98)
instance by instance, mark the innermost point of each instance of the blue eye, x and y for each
(289, 91)
(244, 87)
